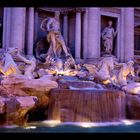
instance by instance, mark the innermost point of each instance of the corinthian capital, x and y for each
(80, 9)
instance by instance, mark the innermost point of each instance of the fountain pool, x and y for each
(123, 126)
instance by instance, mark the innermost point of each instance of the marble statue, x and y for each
(108, 35)
(57, 49)
(132, 88)
(41, 49)
(8, 66)
(109, 71)
(52, 27)
(125, 69)
(30, 64)
(103, 70)
(30, 67)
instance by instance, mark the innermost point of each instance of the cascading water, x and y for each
(83, 105)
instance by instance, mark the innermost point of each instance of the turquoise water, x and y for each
(57, 127)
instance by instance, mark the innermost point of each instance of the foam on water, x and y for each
(54, 123)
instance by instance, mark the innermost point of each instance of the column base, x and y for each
(30, 55)
(78, 60)
(113, 56)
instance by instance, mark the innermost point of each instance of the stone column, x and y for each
(17, 28)
(121, 49)
(6, 27)
(30, 31)
(65, 27)
(128, 33)
(36, 25)
(93, 33)
(78, 36)
(84, 32)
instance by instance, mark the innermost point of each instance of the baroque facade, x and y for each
(81, 28)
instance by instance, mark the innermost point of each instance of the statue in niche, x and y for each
(52, 27)
(108, 35)
(57, 48)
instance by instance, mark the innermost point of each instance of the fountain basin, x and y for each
(65, 84)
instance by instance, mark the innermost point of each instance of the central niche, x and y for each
(104, 23)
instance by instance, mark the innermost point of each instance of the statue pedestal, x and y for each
(109, 55)
(92, 61)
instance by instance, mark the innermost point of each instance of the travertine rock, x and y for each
(133, 106)
(2, 105)
(44, 83)
(133, 88)
(20, 85)
(27, 101)
(16, 108)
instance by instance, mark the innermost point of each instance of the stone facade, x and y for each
(81, 28)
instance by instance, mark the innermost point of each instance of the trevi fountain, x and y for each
(50, 89)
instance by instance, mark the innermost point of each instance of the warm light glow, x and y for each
(11, 70)
(68, 72)
(113, 78)
(61, 72)
(31, 127)
(52, 123)
(127, 122)
(136, 90)
(106, 82)
(92, 124)
(86, 125)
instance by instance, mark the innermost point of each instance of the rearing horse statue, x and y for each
(104, 69)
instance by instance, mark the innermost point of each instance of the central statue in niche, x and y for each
(52, 27)
(108, 35)
(57, 49)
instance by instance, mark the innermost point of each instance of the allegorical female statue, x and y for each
(52, 27)
(108, 35)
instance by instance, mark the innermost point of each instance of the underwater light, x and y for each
(128, 122)
(86, 125)
(96, 124)
(52, 123)
(31, 127)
